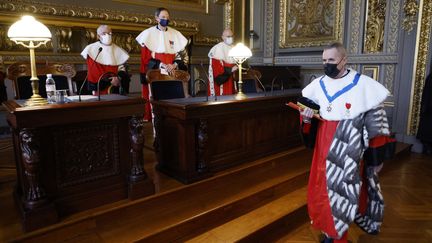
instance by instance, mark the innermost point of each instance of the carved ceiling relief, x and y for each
(375, 25)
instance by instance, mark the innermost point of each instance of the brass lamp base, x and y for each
(36, 100)
(240, 96)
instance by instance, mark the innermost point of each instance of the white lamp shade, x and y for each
(29, 29)
(240, 51)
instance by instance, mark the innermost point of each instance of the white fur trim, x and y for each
(366, 95)
(170, 41)
(110, 55)
(220, 52)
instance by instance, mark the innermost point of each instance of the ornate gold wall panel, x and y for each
(424, 36)
(305, 23)
(375, 26)
(185, 5)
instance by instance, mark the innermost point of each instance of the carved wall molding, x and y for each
(228, 15)
(375, 26)
(352, 59)
(69, 15)
(420, 65)
(185, 5)
(202, 40)
(393, 31)
(269, 31)
(310, 23)
(64, 41)
(136, 134)
(389, 71)
(9, 58)
(355, 26)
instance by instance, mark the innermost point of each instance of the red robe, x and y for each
(228, 88)
(96, 70)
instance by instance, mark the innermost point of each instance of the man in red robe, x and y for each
(221, 67)
(160, 46)
(354, 131)
(105, 62)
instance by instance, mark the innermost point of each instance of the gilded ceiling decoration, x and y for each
(374, 38)
(305, 23)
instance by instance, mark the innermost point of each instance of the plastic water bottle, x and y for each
(50, 88)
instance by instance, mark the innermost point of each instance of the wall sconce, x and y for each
(410, 10)
(240, 53)
(31, 34)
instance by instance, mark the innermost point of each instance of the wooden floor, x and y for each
(406, 183)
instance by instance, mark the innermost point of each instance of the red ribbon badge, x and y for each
(348, 105)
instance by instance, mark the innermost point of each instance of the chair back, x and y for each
(249, 79)
(20, 74)
(165, 87)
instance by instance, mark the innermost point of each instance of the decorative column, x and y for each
(140, 184)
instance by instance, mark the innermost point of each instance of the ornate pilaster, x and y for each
(269, 31)
(228, 15)
(392, 43)
(202, 138)
(355, 26)
(389, 77)
(136, 126)
(33, 192)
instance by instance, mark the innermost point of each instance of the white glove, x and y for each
(307, 114)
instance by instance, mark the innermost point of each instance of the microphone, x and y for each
(101, 78)
(256, 78)
(85, 80)
(206, 83)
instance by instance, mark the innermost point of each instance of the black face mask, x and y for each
(331, 70)
(164, 22)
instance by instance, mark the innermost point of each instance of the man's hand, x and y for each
(115, 81)
(233, 69)
(171, 67)
(307, 114)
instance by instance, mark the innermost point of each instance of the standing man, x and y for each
(160, 46)
(221, 67)
(105, 57)
(354, 128)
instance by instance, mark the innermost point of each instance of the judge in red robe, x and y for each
(221, 67)
(160, 46)
(351, 143)
(105, 62)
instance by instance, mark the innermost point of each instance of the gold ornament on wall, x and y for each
(375, 25)
(310, 23)
(410, 10)
(64, 36)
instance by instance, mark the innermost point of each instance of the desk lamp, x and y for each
(31, 34)
(240, 53)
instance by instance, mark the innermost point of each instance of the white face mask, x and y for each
(106, 39)
(229, 40)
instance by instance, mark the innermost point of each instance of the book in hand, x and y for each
(300, 107)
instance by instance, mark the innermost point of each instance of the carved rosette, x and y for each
(33, 192)
(202, 139)
(136, 127)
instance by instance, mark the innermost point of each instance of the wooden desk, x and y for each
(195, 138)
(75, 156)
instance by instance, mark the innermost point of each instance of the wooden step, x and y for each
(192, 209)
(259, 225)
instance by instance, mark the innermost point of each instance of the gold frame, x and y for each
(371, 71)
(285, 41)
(194, 6)
(420, 61)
